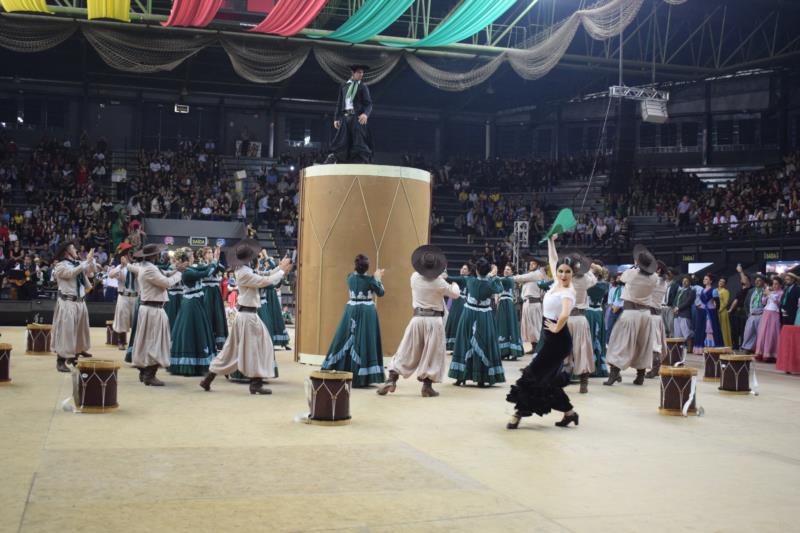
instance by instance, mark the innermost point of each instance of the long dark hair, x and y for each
(361, 263)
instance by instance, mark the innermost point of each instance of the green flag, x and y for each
(564, 222)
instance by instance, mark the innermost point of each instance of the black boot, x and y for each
(331, 159)
(61, 364)
(584, 383)
(639, 377)
(150, 378)
(206, 383)
(564, 422)
(653, 372)
(427, 389)
(142, 373)
(257, 387)
(613, 376)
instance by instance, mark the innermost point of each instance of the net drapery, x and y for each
(194, 13)
(373, 17)
(337, 64)
(256, 61)
(109, 9)
(34, 36)
(288, 17)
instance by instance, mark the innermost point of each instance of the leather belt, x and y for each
(132, 294)
(655, 312)
(577, 312)
(245, 309)
(532, 300)
(427, 312)
(159, 305)
(69, 297)
(632, 306)
(349, 112)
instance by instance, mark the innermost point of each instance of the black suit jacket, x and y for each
(684, 303)
(362, 101)
(789, 305)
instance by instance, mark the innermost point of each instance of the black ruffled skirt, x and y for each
(541, 387)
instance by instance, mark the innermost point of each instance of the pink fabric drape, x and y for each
(290, 16)
(194, 13)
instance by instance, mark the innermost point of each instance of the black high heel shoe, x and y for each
(564, 422)
(514, 422)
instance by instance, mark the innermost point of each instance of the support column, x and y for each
(708, 126)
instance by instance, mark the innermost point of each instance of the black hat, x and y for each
(644, 259)
(62, 249)
(580, 264)
(359, 66)
(429, 261)
(531, 257)
(149, 250)
(244, 252)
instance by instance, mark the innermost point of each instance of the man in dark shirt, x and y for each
(352, 142)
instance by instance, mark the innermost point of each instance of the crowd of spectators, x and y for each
(278, 199)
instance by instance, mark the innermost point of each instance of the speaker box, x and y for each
(654, 111)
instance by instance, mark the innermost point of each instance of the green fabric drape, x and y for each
(373, 17)
(466, 21)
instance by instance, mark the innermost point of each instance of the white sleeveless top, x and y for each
(551, 305)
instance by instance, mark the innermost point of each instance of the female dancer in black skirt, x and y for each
(541, 387)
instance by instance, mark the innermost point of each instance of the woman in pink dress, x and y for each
(770, 328)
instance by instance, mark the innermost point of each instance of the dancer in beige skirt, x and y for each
(582, 356)
(152, 341)
(423, 346)
(249, 347)
(127, 292)
(531, 317)
(659, 331)
(71, 318)
(631, 343)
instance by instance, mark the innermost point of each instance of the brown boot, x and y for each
(390, 385)
(206, 383)
(653, 372)
(61, 364)
(613, 376)
(639, 377)
(150, 378)
(142, 374)
(584, 383)
(427, 389)
(257, 387)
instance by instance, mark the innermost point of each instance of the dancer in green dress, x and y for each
(270, 310)
(356, 346)
(476, 355)
(192, 338)
(506, 320)
(215, 307)
(457, 307)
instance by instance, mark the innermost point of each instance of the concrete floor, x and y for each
(180, 459)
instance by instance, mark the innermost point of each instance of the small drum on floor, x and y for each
(94, 386)
(678, 391)
(676, 352)
(39, 339)
(5, 363)
(735, 373)
(112, 337)
(711, 356)
(329, 397)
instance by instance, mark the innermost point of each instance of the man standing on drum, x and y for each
(249, 347)
(127, 292)
(151, 345)
(71, 317)
(352, 142)
(423, 346)
(531, 317)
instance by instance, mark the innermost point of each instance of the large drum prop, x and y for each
(711, 356)
(329, 397)
(676, 352)
(94, 386)
(39, 339)
(678, 391)
(380, 211)
(5, 363)
(735, 374)
(112, 337)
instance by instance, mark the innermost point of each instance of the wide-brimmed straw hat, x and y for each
(150, 250)
(645, 260)
(429, 261)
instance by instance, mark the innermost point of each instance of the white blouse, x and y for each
(551, 305)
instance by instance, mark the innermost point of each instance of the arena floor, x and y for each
(180, 459)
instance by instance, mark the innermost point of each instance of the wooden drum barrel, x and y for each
(381, 211)
(678, 388)
(329, 398)
(735, 374)
(94, 386)
(5, 363)
(39, 339)
(676, 352)
(711, 356)
(112, 337)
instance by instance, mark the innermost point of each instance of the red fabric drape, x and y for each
(290, 16)
(195, 13)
